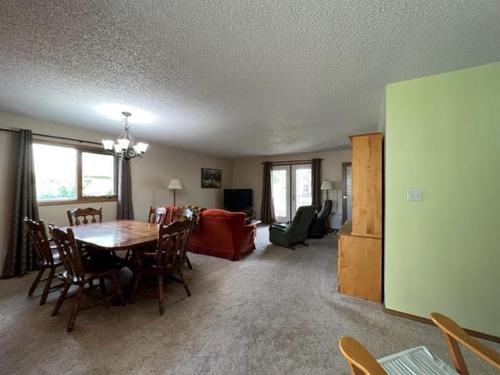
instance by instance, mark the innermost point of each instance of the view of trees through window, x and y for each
(57, 173)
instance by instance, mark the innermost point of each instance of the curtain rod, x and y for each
(290, 161)
(51, 136)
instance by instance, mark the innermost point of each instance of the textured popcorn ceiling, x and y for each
(233, 77)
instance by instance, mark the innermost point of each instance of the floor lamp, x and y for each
(326, 186)
(174, 185)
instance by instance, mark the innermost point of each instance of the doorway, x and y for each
(346, 192)
(291, 186)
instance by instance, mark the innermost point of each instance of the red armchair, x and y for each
(223, 234)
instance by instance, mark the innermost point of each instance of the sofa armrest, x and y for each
(245, 242)
(250, 229)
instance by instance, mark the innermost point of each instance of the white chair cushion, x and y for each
(415, 361)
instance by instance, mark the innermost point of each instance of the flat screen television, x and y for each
(237, 199)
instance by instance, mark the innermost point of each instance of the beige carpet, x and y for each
(274, 312)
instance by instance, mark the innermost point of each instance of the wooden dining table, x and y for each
(111, 236)
(116, 235)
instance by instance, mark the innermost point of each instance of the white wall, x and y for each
(150, 175)
(247, 173)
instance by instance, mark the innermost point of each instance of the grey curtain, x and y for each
(267, 207)
(20, 258)
(316, 183)
(124, 209)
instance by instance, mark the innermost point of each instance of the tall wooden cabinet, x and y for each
(359, 259)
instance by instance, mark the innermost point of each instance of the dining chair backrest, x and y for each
(171, 242)
(359, 359)
(156, 215)
(455, 335)
(78, 216)
(38, 236)
(183, 213)
(69, 252)
(189, 213)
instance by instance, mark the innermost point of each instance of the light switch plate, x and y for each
(414, 195)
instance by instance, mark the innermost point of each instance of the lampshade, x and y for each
(141, 147)
(108, 144)
(123, 142)
(174, 184)
(326, 185)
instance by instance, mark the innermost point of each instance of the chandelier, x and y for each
(124, 146)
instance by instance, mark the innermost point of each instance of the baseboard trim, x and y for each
(421, 319)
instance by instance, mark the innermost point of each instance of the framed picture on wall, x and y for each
(211, 178)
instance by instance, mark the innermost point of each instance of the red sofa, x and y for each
(223, 234)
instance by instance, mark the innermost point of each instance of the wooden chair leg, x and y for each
(161, 297)
(75, 310)
(186, 288)
(36, 281)
(61, 299)
(102, 285)
(188, 262)
(47, 286)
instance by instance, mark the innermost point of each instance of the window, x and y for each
(69, 174)
(98, 175)
(55, 172)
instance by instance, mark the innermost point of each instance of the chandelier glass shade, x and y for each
(125, 146)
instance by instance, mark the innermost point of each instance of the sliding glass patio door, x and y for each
(280, 189)
(301, 187)
(291, 187)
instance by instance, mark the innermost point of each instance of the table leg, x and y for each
(135, 266)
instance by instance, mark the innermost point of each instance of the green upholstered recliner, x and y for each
(296, 232)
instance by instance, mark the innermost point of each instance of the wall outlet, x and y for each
(414, 195)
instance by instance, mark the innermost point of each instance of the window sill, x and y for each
(78, 201)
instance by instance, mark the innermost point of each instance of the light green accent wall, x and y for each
(443, 253)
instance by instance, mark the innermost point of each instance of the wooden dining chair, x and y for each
(156, 215)
(455, 335)
(78, 216)
(166, 259)
(79, 272)
(359, 359)
(47, 257)
(419, 359)
(192, 215)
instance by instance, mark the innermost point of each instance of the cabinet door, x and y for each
(360, 267)
(367, 185)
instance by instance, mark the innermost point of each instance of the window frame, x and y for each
(79, 176)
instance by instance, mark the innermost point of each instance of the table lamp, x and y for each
(174, 185)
